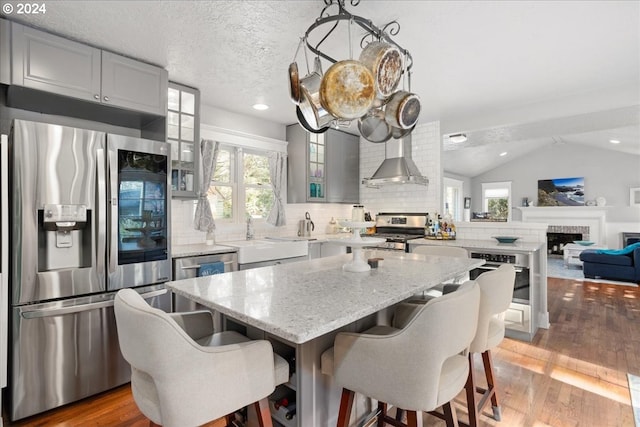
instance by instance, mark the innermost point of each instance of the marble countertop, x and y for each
(517, 246)
(198, 249)
(303, 300)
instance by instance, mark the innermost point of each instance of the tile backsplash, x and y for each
(182, 212)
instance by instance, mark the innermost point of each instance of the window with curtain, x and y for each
(241, 185)
(496, 199)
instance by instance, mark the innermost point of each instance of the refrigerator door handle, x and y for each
(51, 312)
(102, 212)
(112, 227)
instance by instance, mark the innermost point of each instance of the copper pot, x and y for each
(403, 109)
(347, 90)
(385, 63)
(294, 83)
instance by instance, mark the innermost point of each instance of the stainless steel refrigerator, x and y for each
(4, 262)
(90, 215)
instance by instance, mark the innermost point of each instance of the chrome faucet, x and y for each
(249, 229)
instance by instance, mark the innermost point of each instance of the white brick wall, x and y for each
(426, 150)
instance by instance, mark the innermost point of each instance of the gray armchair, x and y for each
(183, 374)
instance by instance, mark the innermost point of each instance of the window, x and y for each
(496, 199)
(453, 198)
(241, 185)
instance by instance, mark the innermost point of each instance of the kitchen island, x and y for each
(301, 306)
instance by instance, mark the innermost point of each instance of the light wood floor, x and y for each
(573, 374)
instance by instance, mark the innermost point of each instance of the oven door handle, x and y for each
(193, 267)
(495, 267)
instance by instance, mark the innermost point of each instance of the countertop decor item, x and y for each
(583, 242)
(506, 239)
(357, 243)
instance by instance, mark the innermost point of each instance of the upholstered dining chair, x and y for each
(416, 367)
(184, 374)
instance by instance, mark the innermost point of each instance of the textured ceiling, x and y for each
(477, 65)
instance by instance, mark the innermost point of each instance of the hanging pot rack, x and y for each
(373, 32)
(345, 90)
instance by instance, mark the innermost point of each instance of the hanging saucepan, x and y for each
(385, 63)
(303, 122)
(294, 83)
(347, 90)
(398, 133)
(373, 126)
(312, 109)
(403, 109)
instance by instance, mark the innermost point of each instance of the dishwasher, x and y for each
(197, 266)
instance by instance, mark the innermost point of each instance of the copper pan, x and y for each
(347, 90)
(294, 83)
(385, 63)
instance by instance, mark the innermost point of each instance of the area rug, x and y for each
(556, 268)
(634, 390)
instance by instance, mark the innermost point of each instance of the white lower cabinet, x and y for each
(320, 249)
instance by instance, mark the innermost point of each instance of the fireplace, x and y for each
(556, 242)
(630, 238)
(588, 221)
(560, 235)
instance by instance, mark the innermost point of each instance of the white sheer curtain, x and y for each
(277, 168)
(203, 219)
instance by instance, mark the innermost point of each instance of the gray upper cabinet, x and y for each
(134, 85)
(53, 64)
(5, 52)
(343, 167)
(322, 168)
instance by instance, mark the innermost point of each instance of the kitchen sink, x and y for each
(258, 250)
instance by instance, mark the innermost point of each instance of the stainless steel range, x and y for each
(398, 228)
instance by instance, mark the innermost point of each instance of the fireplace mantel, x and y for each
(593, 217)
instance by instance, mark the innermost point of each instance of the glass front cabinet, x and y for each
(183, 133)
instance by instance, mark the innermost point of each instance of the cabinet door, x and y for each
(5, 52)
(133, 85)
(343, 167)
(297, 148)
(183, 133)
(50, 63)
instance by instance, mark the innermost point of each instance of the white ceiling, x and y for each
(477, 64)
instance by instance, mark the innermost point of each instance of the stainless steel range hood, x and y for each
(398, 167)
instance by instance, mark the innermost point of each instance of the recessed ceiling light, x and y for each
(457, 137)
(260, 107)
(504, 153)
(614, 141)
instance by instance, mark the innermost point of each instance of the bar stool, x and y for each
(183, 374)
(416, 367)
(496, 292)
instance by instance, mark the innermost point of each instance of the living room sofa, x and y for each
(622, 264)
